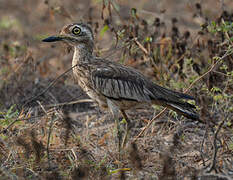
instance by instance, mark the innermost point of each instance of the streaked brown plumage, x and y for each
(114, 85)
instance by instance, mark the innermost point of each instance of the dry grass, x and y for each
(62, 135)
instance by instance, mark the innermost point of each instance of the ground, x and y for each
(50, 129)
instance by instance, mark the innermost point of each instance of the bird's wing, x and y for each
(122, 82)
(119, 82)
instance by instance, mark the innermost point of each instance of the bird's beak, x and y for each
(53, 38)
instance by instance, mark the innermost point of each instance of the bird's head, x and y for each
(74, 34)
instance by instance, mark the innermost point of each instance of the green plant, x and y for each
(11, 113)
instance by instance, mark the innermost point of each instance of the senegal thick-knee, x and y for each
(113, 85)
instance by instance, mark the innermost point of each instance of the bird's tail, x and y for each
(183, 108)
(173, 100)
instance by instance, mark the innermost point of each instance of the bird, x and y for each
(112, 85)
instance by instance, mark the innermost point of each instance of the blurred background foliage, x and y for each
(174, 42)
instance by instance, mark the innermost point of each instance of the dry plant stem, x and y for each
(147, 53)
(18, 119)
(190, 86)
(115, 49)
(48, 140)
(70, 103)
(50, 85)
(16, 69)
(122, 19)
(23, 119)
(13, 122)
(226, 34)
(141, 46)
(148, 125)
(215, 148)
(49, 133)
(202, 145)
(8, 173)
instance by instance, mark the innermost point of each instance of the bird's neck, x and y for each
(82, 53)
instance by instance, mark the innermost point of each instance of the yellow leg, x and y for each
(115, 112)
(127, 129)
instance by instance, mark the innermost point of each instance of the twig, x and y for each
(226, 33)
(213, 163)
(25, 59)
(50, 85)
(117, 12)
(15, 120)
(127, 43)
(202, 145)
(141, 46)
(18, 119)
(187, 89)
(222, 73)
(48, 140)
(33, 117)
(69, 103)
(75, 156)
(148, 125)
(49, 133)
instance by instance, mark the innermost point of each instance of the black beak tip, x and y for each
(52, 39)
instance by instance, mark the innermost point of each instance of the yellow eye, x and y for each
(76, 30)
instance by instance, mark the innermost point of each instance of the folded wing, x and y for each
(120, 82)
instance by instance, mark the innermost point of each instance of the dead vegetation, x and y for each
(49, 129)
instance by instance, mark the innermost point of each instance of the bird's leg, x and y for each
(115, 112)
(127, 128)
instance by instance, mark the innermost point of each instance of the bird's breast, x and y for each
(83, 78)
